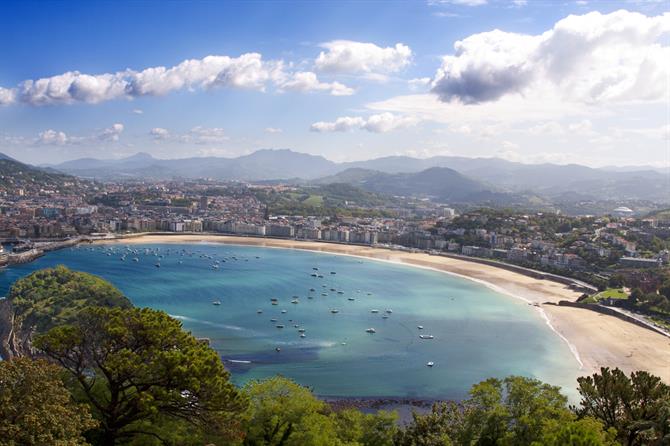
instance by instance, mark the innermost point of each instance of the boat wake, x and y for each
(204, 322)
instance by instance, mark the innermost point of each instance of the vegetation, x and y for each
(36, 408)
(125, 376)
(283, 413)
(325, 200)
(138, 369)
(54, 296)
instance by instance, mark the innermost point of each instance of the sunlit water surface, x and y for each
(477, 333)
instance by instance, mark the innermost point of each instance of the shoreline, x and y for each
(596, 340)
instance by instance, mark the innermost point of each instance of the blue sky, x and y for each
(561, 81)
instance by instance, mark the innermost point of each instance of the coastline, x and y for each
(596, 340)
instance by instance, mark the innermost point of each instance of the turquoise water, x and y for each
(477, 332)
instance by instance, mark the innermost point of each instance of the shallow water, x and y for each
(477, 332)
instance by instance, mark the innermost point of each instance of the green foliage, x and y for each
(53, 296)
(36, 408)
(138, 369)
(638, 407)
(585, 432)
(513, 411)
(283, 413)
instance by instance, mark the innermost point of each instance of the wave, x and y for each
(204, 322)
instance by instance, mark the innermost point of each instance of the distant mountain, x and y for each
(436, 183)
(260, 165)
(15, 175)
(549, 180)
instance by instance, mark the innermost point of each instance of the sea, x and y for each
(370, 329)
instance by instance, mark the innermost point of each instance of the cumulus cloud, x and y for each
(159, 133)
(346, 56)
(273, 130)
(248, 71)
(306, 81)
(381, 123)
(112, 133)
(590, 58)
(52, 137)
(60, 138)
(137, 111)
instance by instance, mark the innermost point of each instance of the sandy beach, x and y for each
(597, 340)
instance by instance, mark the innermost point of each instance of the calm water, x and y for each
(477, 332)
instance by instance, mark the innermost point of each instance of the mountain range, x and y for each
(442, 177)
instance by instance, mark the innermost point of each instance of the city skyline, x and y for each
(562, 82)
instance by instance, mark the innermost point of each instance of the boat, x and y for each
(374, 311)
(324, 294)
(273, 320)
(420, 327)
(259, 311)
(389, 311)
(273, 299)
(315, 269)
(301, 330)
(426, 336)
(314, 275)
(371, 330)
(334, 311)
(216, 302)
(320, 276)
(351, 299)
(295, 301)
(312, 289)
(279, 326)
(385, 317)
(302, 335)
(296, 326)
(430, 363)
(340, 292)
(283, 311)
(274, 302)
(333, 289)
(333, 272)
(158, 265)
(277, 349)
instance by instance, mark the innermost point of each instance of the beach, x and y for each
(597, 340)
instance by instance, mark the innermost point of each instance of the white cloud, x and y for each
(590, 58)
(248, 71)
(138, 111)
(7, 96)
(52, 137)
(159, 133)
(307, 81)
(60, 138)
(273, 130)
(111, 134)
(380, 123)
(197, 135)
(346, 56)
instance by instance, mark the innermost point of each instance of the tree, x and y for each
(584, 432)
(137, 369)
(280, 411)
(36, 408)
(512, 411)
(638, 407)
(283, 413)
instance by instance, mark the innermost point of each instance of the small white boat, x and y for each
(274, 302)
(389, 311)
(273, 320)
(351, 299)
(302, 335)
(279, 326)
(259, 311)
(302, 330)
(371, 330)
(216, 302)
(277, 349)
(430, 363)
(426, 336)
(334, 311)
(295, 301)
(283, 311)
(374, 311)
(420, 327)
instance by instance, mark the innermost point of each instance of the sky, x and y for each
(533, 81)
